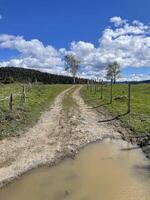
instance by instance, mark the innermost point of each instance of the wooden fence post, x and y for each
(95, 88)
(111, 83)
(29, 86)
(87, 84)
(99, 83)
(92, 84)
(36, 81)
(23, 94)
(102, 89)
(129, 97)
(11, 102)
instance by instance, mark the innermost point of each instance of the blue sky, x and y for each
(59, 23)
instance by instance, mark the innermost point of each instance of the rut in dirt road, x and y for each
(56, 135)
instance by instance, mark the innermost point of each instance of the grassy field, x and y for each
(24, 115)
(139, 118)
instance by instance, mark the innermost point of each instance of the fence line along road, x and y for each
(92, 85)
(15, 95)
(12, 96)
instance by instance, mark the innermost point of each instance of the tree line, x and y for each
(15, 74)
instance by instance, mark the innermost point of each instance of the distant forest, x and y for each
(15, 74)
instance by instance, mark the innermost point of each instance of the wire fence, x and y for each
(100, 87)
(14, 99)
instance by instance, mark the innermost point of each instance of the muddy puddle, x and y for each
(111, 170)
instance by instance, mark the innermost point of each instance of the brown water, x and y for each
(112, 170)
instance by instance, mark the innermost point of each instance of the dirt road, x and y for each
(57, 134)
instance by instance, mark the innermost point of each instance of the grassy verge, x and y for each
(139, 118)
(23, 116)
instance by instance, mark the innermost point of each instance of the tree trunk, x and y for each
(129, 97)
(111, 83)
(74, 80)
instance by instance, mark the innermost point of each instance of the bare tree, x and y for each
(113, 71)
(72, 64)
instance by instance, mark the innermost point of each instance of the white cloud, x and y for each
(135, 77)
(33, 54)
(127, 43)
(117, 21)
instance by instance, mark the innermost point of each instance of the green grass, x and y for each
(25, 115)
(139, 118)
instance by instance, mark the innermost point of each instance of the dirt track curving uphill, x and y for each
(56, 135)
